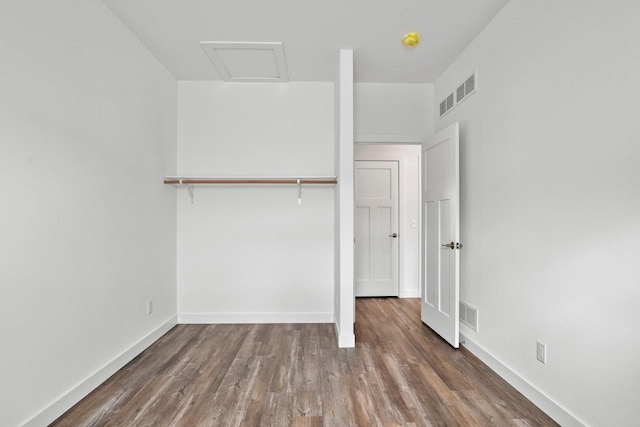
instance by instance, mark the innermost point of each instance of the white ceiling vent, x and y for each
(248, 62)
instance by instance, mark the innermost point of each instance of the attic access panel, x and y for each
(248, 62)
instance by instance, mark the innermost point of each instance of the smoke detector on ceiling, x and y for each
(411, 39)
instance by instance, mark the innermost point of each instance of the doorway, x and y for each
(387, 265)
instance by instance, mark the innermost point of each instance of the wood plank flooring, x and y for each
(399, 374)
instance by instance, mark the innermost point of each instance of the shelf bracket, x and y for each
(189, 190)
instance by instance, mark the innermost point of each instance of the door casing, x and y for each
(407, 153)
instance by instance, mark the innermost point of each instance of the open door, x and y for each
(441, 234)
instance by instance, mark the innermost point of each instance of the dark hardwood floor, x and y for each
(400, 373)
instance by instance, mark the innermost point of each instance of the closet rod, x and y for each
(253, 180)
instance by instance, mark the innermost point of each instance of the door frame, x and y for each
(367, 151)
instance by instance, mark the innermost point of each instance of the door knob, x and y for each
(449, 245)
(394, 235)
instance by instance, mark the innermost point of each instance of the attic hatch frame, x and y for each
(211, 48)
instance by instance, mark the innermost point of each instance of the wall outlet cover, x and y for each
(541, 352)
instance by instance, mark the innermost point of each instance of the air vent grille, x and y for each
(470, 84)
(462, 92)
(469, 315)
(447, 104)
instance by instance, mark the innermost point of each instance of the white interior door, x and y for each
(376, 228)
(441, 234)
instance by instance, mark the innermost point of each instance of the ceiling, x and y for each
(312, 33)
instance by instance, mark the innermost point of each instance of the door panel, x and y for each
(440, 276)
(362, 235)
(432, 246)
(376, 251)
(444, 291)
(385, 244)
(375, 182)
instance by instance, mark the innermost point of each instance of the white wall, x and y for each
(87, 131)
(388, 112)
(408, 158)
(550, 207)
(248, 253)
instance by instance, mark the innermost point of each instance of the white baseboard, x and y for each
(220, 318)
(541, 400)
(410, 293)
(64, 403)
(345, 340)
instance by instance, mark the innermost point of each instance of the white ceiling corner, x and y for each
(248, 61)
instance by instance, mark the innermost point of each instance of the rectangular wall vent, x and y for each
(466, 88)
(447, 105)
(462, 92)
(469, 315)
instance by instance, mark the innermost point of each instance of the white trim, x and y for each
(345, 340)
(77, 393)
(386, 139)
(410, 293)
(541, 400)
(243, 318)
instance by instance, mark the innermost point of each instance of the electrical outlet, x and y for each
(150, 306)
(541, 352)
